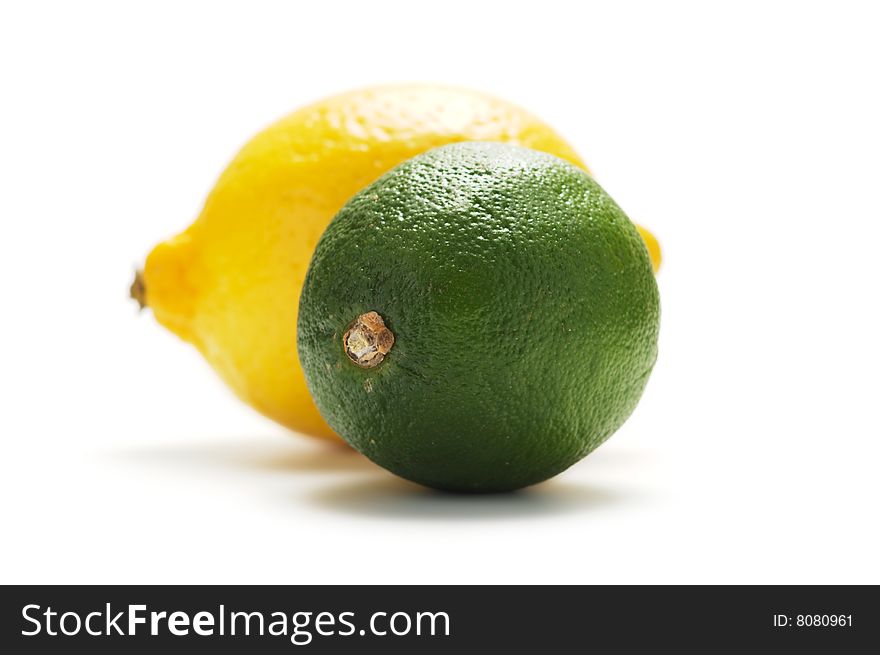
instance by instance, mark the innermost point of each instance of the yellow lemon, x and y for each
(653, 247)
(230, 283)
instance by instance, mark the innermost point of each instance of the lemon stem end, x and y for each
(138, 290)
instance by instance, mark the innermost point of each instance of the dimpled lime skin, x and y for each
(523, 306)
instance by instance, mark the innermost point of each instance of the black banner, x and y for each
(436, 619)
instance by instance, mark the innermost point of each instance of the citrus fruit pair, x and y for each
(230, 284)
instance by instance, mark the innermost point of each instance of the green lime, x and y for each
(479, 319)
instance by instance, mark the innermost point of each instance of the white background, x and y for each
(747, 138)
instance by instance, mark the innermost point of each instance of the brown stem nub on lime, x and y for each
(367, 340)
